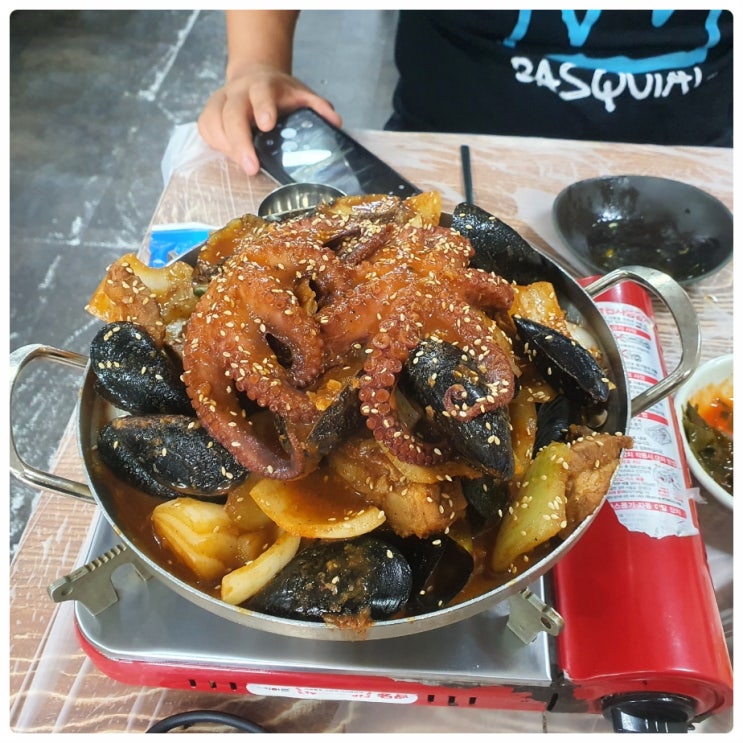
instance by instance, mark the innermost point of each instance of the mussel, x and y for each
(339, 420)
(485, 441)
(136, 375)
(487, 498)
(563, 362)
(496, 245)
(441, 567)
(353, 580)
(554, 419)
(169, 456)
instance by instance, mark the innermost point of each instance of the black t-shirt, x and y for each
(632, 76)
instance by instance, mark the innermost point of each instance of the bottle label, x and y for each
(650, 492)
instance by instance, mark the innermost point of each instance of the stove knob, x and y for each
(649, 713)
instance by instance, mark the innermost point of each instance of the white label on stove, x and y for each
(649, 492)
(338, 695)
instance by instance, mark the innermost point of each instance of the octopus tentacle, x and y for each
(317, 294)
(243, 339)
(354, 318)
(476, 340)
(485, 289)
(369, 243)
(253, 361)
(219, 409)
(245, 309)
(397, 337)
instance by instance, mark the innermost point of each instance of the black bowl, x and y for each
(625, 220)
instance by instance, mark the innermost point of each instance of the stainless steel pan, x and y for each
(92, 412)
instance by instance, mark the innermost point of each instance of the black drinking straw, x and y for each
(467, 174)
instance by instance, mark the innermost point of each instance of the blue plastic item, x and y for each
(169, 242)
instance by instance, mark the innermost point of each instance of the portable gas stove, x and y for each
(631, 625)
(655, 677)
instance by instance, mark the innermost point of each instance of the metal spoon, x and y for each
(295, 199)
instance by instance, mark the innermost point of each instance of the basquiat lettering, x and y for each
(571, 83)
(577, 75)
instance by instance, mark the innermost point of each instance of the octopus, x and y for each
(344, 293)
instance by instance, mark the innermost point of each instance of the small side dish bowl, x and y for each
(294, 199)
(713, 380)
(622, 220)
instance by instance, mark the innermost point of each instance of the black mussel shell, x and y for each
(169, 456)
(485, 441)
(554, 419)
(351, 578)
(441, 568)
(498, 247)
(487, 498)
(338, 422)
(563, 362)
(134, 374)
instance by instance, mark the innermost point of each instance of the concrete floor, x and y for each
(94, 97)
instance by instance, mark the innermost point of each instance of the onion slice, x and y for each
(240, 584)
(316, 508)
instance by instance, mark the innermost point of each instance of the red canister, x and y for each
(643, 640)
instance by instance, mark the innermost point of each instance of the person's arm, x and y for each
(258, 84)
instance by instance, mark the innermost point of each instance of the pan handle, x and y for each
(684, 315)
(18, 467)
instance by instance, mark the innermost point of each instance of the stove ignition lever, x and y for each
(530, 615)
(92, 584)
